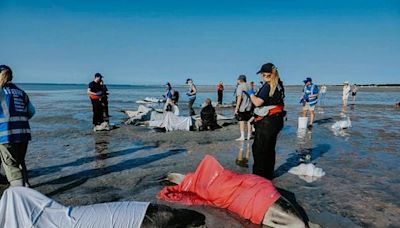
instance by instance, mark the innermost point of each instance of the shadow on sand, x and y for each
(294, 159)
(81, 177)
(56, 168)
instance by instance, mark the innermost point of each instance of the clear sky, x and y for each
(151, 42)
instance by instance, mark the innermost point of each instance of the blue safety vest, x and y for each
(14, 115)
(311, 90)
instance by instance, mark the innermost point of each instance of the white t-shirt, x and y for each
(245, 105)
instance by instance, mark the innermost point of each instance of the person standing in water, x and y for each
(191, 95)
(322, 93)
(220, 92)
(95, 92)
(309, 99)
(15, 133)
(243, 110)
(104, 101)
(269, 117)
(346, 92)
(354, 90)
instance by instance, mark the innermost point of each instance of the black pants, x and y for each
(97, 112)
(190, 106)
(264, 145)
(220, 96)
(105, 107)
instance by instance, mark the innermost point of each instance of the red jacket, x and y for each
(248, 195)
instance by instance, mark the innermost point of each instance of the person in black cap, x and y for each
(95, 92)
(191, 95)
(269, 114)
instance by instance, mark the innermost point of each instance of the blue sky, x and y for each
(151, 42)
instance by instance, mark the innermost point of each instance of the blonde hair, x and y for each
(5, 77)
(274, 81)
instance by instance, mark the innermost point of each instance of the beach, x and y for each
(76, 166)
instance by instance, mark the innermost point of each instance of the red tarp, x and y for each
(248, 195)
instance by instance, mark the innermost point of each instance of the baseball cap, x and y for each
(308, 79)
(98, 75)
(266, 68)
(4, 67)
(242, 77)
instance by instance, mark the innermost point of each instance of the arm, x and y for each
(238, 102)
(90, 92)
(31, 110)
(194, 90)
(256, 100)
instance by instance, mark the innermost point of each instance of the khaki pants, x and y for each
(13, 159)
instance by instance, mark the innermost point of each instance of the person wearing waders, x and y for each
(269, 117)
(15, 133)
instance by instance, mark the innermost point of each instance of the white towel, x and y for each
(25, 207)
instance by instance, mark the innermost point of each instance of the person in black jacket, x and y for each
(208, 117)
(269, 118)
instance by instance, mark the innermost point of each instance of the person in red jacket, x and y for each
(220, 92)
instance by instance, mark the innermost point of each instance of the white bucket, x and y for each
(302, 122)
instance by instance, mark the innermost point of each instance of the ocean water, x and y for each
(57, 99)
(362, 163)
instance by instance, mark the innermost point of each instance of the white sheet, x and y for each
(172, 122)
(25, 207)
(308, 172)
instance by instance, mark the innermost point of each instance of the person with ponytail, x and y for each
(15, 133)
(269, 117)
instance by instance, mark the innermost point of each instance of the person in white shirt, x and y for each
(346, 92)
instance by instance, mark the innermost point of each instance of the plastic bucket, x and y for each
(302, 122)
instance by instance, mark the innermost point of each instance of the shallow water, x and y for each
(75, 166)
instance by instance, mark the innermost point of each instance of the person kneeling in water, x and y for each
(248, 195)
(208, 117)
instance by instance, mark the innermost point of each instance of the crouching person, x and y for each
(208, 117)
(15, 133)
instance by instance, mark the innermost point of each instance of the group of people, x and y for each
(264, 111)
(312, 94)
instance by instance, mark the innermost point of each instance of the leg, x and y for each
(241, 128)
(312, 116)
(97, 112)
(264, 146)
(10, 163)
(190, 106)
(249, 130)
(20, 156)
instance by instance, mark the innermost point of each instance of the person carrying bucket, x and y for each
(309, 99)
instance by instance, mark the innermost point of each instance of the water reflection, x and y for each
(343, 113)
(304, 143)
(102, 142)
(242, 159)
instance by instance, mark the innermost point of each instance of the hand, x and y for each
(251, 92)
(236, 111)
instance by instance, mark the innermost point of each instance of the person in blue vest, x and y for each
(15, 133)
(309, 99)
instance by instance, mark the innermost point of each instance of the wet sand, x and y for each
(75, 166)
